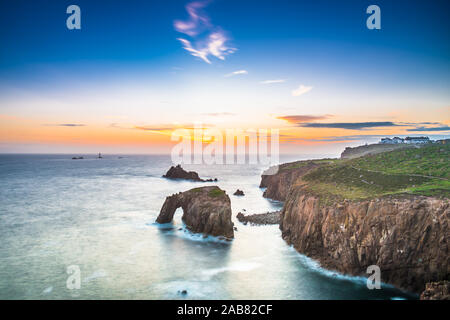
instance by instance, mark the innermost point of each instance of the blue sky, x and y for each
(130, 33)
(132, 49)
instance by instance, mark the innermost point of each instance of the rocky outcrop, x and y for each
(206, 210)
(278, 182)
(436, 291)
(260, 219)
(179, 173)
(408, 238)
(238, 193)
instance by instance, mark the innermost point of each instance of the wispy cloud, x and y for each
(308, 121)
(150, 128)
(235, 73)
(198, 23)
(272, 81)
(367, 138)
(197, 19)
(350, 125)
(430, 129)
(302, 89)
(65, 125)
(303, 118)
(218, 114)
(171, 127)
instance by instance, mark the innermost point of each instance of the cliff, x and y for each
(277, 184)
(206, 210)
(391, 210)
(407, 238)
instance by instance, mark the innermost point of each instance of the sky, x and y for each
(137, 71)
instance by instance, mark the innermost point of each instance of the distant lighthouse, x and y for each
(100, 155)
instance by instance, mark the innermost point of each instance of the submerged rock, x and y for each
(260, 219)
(178, 172)
(239, 193)
(436, 291)
(206, 210)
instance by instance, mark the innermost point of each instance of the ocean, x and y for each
(99, 216)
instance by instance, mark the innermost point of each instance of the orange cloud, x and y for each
(303, 118)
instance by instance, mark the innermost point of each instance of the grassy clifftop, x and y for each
(428, 160)
(423, 170)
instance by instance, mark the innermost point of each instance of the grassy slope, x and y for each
(421, 171)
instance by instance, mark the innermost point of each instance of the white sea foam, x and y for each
(47, 290)
(315, 266)
(95, 275)
(183, 232)
(241, 266)
(137, 248)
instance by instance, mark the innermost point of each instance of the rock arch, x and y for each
(206, 210)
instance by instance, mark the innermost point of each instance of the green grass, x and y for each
(303, 163)
(216, 193)
(390, 173)
(430, 160)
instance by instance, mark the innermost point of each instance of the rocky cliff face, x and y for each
(279, 183)
(436, 291)
(206, 210)
(408, 238)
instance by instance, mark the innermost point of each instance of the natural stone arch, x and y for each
(206, 210)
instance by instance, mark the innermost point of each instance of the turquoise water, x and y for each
(98, 214)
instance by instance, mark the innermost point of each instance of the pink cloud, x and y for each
(214, 44)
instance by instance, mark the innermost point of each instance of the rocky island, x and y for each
(206, 210)
(389, 209)
(260, 218)
(178, 172)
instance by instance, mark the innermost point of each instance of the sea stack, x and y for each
(178, 172)
(206, 210)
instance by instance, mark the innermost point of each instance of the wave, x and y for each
(95, 275)
(193, 289)
(315, 266)
(183, 232)
(241, 266)
(47, 290)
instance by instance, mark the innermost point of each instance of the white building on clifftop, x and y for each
(395, 140)
(408, 140)
(417, 140)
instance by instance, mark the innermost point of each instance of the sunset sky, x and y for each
(137, 70)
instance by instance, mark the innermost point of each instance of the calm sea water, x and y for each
(99, 214)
